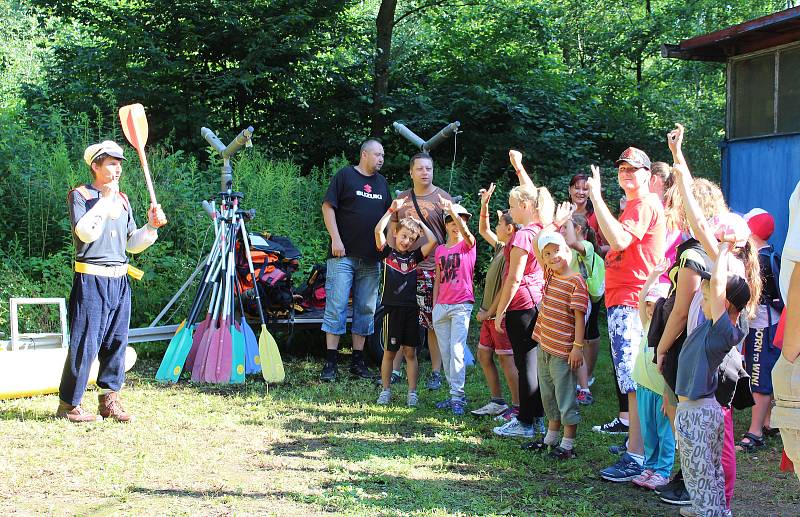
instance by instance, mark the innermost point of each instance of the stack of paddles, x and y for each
(220, 348)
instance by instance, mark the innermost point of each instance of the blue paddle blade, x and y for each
(252, 360)
(237, 357)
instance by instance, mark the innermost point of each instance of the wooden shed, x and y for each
(761, 150)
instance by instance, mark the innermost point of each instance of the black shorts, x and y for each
(401, 327)
(592, 327)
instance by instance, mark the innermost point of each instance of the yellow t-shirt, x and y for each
(645, 371)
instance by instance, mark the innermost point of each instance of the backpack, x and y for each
(275, 259)
(775, 267)
(593, 270)
(313, 294)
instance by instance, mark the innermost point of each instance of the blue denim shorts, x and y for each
(344, 274)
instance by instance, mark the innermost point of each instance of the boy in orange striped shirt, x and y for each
(559, 331)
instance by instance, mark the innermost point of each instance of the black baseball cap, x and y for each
(737, 292)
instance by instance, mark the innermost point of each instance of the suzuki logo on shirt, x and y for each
(449, 266)
(367, 193)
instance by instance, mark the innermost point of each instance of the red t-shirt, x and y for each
(594, 225)
(627, 270)
(530, 289)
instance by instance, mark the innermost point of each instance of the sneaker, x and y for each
(458, 407)
(643, 477)
(535, 446)
(508, 414)
(619, 449)
(559, 453)
(328, 372)
(687, 511)
(109, 406)
(584, 398)
(514, 428)
(384, 397)
(490, 409)
(652, 482)
(614, 427)
(361, 371)
(444, 404)
(678, 495)
(75, 414)
(677, 480)
(413, 399)
(435, 381)
(396, 377)
(623, 470)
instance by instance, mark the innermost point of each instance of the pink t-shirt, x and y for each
(530, 289)
(456, 271)
(674, 239)
(627, 270)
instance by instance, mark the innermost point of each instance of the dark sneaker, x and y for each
(619, 449)
(435, 381)
(458, 407)
(677, 480)
(396, 377)
(678, 495)
(624, 470)
(535, 446)
(109, 406)
(559, 453)
(361, 371)
(444, 404)
(614, 427)
(75, 414)
(328, 372)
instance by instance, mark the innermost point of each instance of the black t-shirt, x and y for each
(359, 202)
(770, 295)
(400, 277)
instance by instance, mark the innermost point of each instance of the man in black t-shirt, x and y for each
(356, 199)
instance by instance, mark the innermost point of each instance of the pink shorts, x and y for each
(490, 339)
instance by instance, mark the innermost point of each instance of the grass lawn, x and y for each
(305, 447)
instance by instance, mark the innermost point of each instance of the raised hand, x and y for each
(593, 181)
(675, 139)
(516, 159)
(446, 204)
(398, 203)
(662, 267)
(486, 195)
(563, 213)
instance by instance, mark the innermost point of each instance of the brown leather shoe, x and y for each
(75, 414)
(111, 407)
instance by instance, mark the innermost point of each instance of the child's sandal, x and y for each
(535, 446)
(749, 446)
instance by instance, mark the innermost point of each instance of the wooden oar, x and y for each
(134, 125)
(271, 363)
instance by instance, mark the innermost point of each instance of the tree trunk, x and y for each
(384, 24)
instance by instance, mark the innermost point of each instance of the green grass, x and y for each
(305, 447)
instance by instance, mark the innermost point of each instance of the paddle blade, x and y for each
(237, 358)
(197, 336)
(271, 363)
(252, 359)
(134, 124)
(166, 371)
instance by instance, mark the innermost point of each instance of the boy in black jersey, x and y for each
(400, 322)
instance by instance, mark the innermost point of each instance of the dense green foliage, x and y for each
(569, 82)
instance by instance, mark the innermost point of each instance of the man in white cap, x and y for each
(103, 229)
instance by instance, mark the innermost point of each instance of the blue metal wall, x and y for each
(762, 173)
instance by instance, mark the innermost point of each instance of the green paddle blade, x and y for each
(271, 363)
